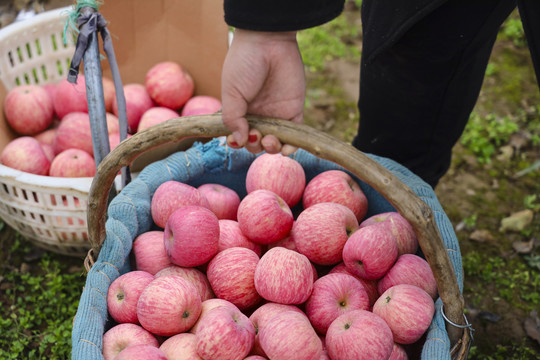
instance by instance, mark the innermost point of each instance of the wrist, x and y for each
(265, 36)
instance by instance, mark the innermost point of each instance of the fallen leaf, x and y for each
(523, 247)
(470, 192)
(519, 139)
(532, 326)
(505, 153)
(517, 221)
(25, 268)
(481, 236)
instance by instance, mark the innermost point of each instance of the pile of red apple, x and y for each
(53, 126)
(291, 271)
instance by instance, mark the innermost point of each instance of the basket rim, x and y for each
(24, 178)
(43, 17)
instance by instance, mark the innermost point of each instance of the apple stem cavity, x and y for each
(185, 315)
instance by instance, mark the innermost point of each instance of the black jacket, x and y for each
(280, 15)
(383, 21)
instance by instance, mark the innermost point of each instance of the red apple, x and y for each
(124, 293)
(370, 252)
(255, 357)
(181, 347)
(193, 275)
(284, 276)
(262, 314)
(321, 231)
(169, 85)
(400, 227)
(359, 335)
(149, 252)
(114, 140)
(137, 102)
(26, 154)
(201, 105)
(74, 132)
(113, 123)
(70, 97)
(398, 353)
(230, 236)
(121, 336)
(208, 305)
(231, 274)
(73, 163)
(49, 151)
(154, 116)
(410, 269)
(224, 333)
(264, 217)
(109, 93)
(141, 352)
(169, 305)
(336, 186)
(332, 296)
(288, 335)
(280, 174)
(170, 196)
(50, 89)
(287, 242)
(408, 311)
(46, 136)
(191, 236)
(28, 109)
(223, 200)
(369, 285)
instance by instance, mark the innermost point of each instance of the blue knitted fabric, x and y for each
(212, 162)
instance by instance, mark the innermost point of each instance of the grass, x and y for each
(38, 307)
(322, 44)
(511, 280)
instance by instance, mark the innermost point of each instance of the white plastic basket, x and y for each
(49, 211)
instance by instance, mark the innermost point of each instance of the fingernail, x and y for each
(237, 136)
(233, 143)
(252, 138)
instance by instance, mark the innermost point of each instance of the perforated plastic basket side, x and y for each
(49, 211)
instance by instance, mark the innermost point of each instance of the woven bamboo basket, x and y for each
(112, 228)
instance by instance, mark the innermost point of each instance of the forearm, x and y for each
(280, 15)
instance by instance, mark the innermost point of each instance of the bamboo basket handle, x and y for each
(320, 144)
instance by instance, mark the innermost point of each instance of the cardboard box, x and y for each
(52, 211)
(192, 33)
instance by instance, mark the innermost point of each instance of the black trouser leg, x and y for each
(416, 97)
(529, 11)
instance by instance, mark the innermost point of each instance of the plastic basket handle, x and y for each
(320, 144)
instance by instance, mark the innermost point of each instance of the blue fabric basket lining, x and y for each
(213, 162)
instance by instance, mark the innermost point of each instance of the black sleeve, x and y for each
(280, 15)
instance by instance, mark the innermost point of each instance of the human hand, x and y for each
(263, 74)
